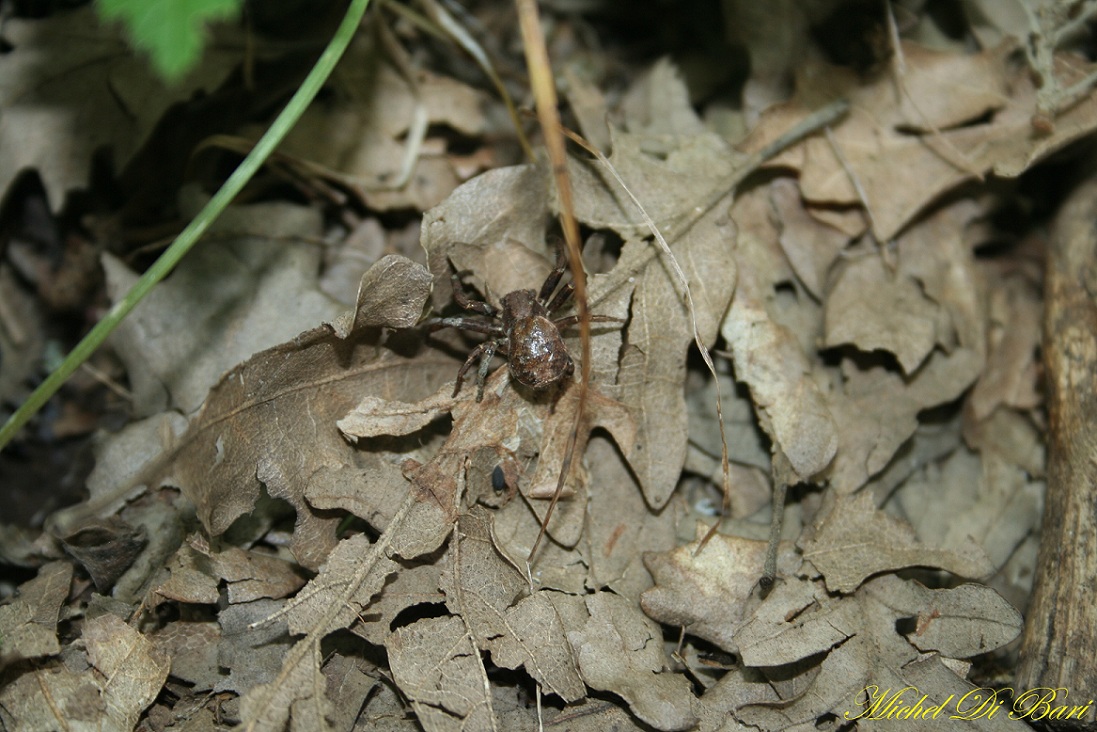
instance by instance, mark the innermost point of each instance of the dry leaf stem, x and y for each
(548, 114)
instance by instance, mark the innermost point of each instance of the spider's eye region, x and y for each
(538, 356)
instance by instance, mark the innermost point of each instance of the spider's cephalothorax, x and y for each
(524, 331)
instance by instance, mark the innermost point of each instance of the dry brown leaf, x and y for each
(193, 648)
(960, 622)
(250, 286)
(874, 308)
(74, 88)
(853, 540)
(75, 696)
(435, 663)
(862, 647)
(811, 247)
(708, 593)
(876, 410)
(486, 589)
(252, 646)
(374, 417)
(105, 548)
(190, 579)
(391, 294)
(621, 526)
(620, 650)
(1012, 371)
(769, 357)
(364, 134)
(28, 624)
(133, 670)
(653, 365)
(973, 497)
(951, 93)
(256, 421)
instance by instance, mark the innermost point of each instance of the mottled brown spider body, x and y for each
(537, 355)
(523, 329)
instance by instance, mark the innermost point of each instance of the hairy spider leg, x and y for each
(554, 278)
(462, 298)
(561, 298)
(485, 352)
(571, 320)
(462, 323)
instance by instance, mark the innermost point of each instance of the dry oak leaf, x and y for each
(271, 422)
(980, 496)
(861, 647)
(769, 356)
(28, 624)
(486, 589)
(437, 666)
(708, 592)
(876, 410)
(853, 540)
(365, 136)
(621, 651)
(873, 308)
(133, 669)
(250, 286)
(936, 134)
(75, 696)
(72, 87)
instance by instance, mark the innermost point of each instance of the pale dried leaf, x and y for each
(392, 294)
(853, 540)
(951, 93)
(74, 88)
(864, 653)
(972, 496)
(653, 365)
(252, 645)
(876, 410)
(76, 701)
(363, 135)
(257, 423)
(871, 307)
(28, 624)
(134, 669)
(621, 526)
(620, 650)
(485, 589)
(811, 247)
(374, 417)
(707, 593)
(959, 623)
(1012, 371)
(768, 356)
(439, 669)
(193, 648)
(251, 286)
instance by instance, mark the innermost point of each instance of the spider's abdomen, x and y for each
(538, 356)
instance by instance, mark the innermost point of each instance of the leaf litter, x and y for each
(324, 535)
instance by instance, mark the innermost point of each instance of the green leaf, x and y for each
(171, 31)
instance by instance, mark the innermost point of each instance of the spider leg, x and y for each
(485, 351)
(561, 298)
(461, 297)
(571, 320)
(554, 276)
(462, 323)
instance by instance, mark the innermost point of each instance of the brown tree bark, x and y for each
(1059, 649)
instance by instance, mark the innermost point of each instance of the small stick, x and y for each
(1059, 647)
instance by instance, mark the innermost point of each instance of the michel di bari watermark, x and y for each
(908, 703)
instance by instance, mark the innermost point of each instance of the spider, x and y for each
(523, 330)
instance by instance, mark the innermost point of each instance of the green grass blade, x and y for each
(190, 235)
